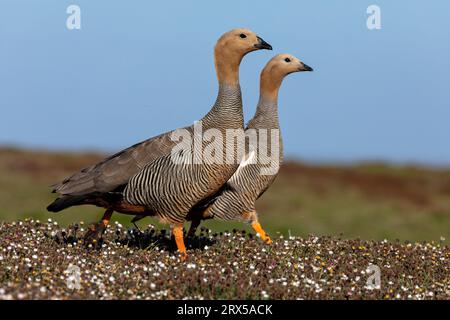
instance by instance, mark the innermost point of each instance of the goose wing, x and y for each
(115, 171)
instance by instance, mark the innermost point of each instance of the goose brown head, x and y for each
(231, 47)
(274, 72)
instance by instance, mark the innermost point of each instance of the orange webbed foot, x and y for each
(259, 230)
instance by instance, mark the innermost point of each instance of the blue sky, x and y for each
(136, 69)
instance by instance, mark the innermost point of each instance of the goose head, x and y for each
(276, 69)
(283, 64)
(239, 42)
(231, 47)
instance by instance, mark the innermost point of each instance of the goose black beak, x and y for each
(305, 67)
(262, 44)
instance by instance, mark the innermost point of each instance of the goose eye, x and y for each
(287, 60)
(243, 36)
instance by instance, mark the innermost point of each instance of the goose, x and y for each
(236, 201)
(107, 183)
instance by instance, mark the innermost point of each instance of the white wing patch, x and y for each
(248, 159)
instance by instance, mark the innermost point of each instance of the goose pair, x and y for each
(144, 181)
(236, 199)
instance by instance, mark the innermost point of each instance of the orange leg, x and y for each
(258, 229)
(178, 235)
(95, 231)
(107, 217)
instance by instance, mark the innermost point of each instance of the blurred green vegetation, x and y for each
(368, 201)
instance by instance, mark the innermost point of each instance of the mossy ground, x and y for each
(36, 259)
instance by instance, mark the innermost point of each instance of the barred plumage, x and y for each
(237, 199)
(143, 179)
(248, 184)
(170, 189)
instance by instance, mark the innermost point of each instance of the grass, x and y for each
(368, 201)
